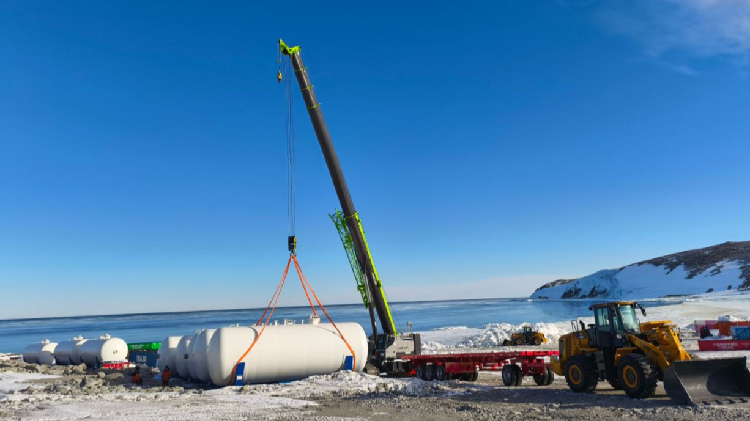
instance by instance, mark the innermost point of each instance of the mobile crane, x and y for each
(390, 351)
(386, 347)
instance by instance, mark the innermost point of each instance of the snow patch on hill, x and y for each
(646, 281)
(710, 269)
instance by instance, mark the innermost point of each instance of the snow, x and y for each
(343, 383)
(649, 281)
(17, 381)
(492, 335)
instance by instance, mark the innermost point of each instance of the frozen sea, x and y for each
(15, 335)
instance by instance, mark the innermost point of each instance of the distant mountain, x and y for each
(716, 268)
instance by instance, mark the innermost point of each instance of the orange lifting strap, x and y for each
(275, 299)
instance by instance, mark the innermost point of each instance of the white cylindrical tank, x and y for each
(284, 352)
(167, 352)
(75, 356)
(180, 360)
(190, 351)
(40, 353)
(96, 351)
(198, 361)
(64, 351)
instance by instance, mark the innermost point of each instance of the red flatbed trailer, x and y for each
(466, 366)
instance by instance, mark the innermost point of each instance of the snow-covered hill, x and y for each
(716, 268)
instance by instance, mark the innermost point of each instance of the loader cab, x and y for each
(613, 322)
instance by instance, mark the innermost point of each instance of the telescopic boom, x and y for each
(375, 291)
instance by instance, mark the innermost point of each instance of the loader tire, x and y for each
(537, 341)
(637, 376)
(518, 342)
(581, 374)
(615, 383)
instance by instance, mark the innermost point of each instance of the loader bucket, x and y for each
(719, 381)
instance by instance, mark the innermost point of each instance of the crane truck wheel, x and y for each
(637, 376)
(581, 374)
(509, 375)
(420, 372)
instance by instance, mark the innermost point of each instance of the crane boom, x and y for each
(375, 293)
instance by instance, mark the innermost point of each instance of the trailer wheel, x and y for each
(420, 372)
(474, 376)
(519, 375)
(440, 374)
(541, 378)
(581, 374)
(637, 376)
(550, 376)
(429, 373)
(509, 375)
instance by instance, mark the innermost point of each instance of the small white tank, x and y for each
(40, 353)
(284, 352)
(198, 361)
(180, 360)
(64, 351)
(167, 352)
(96, 351)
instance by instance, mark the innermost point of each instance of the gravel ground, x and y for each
(77, 393)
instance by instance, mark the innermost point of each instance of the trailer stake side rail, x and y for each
(466, 366)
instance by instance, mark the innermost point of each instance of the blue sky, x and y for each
(489, 147)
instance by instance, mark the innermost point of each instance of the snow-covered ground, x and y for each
(732, 304)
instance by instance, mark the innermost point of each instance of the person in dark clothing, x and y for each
(137, 377)
(165, 375)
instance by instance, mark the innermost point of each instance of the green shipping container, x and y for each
(144, 346)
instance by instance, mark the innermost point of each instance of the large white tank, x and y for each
(40, 353)
(167, 352)
(284, 352)
(96, 351)
(64, 351)
(75, 356)
(198, 361)
(190, 351)
(180, 362)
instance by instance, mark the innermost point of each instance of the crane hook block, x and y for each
(292, 243)
(278, 76)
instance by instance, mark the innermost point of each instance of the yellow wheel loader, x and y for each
(526, 337)
(634, 356)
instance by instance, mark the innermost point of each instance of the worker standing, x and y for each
(165, 375)
(137, 377)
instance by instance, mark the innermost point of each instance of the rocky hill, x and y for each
(716, 268)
